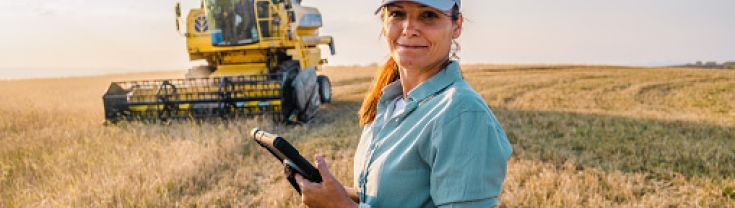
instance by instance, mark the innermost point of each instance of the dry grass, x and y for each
(586, 136)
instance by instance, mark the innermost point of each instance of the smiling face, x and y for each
(418, 36)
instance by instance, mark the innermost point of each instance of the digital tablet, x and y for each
(288, 155)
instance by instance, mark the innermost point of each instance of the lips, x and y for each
(411, 46)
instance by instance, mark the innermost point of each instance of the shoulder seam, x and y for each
(456, 116)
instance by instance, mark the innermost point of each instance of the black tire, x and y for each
(325, 88)
(313, 101)
(312, 108)
(288, 69)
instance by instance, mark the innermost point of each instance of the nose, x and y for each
(409, 28)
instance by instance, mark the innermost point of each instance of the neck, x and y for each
(412, 77)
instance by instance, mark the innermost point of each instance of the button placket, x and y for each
(374, 145)
(375, 142)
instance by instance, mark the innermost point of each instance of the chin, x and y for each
(411, 60)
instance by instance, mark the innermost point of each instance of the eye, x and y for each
(396, 13)
(429, 15)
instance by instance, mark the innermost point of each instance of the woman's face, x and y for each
(419, 37)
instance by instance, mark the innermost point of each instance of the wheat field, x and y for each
(583, 136)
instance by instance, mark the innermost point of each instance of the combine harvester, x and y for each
(262, 58)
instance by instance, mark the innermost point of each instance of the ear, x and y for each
(458, 27)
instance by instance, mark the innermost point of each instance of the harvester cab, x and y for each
(262, 58)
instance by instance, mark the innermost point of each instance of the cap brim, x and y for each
(442, 5)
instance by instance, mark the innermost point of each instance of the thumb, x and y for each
(299, 179)
(321, 164)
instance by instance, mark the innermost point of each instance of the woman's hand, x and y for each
(329, 193)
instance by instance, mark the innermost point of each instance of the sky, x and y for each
(106, 36)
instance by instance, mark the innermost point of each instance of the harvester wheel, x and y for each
(311, 109)
(300, 100)
(289, 70)
(325, 88)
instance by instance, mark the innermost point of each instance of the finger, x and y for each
(299, 180)
(304, 188)
(321, 164)
(304, 183)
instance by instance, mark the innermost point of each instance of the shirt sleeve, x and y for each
(468, 158)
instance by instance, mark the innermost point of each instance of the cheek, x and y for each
(391, 35)
(442, 41)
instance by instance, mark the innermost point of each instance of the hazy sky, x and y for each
(140, 34)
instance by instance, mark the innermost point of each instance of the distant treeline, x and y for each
(711, 65)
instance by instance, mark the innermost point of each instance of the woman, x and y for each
(429, 139)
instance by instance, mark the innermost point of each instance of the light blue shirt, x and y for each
(446, 149)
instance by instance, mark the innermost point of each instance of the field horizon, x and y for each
(583, 136)
(12, 74)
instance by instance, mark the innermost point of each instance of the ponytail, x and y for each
(387, 74)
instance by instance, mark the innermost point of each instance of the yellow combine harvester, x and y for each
(262, 58)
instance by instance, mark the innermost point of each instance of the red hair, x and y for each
(386, 74)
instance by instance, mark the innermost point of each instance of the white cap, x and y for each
(442, 5)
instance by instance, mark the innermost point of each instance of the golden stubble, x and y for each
(587, 136)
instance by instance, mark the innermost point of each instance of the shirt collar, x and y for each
(391, 91)
(436, 83)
